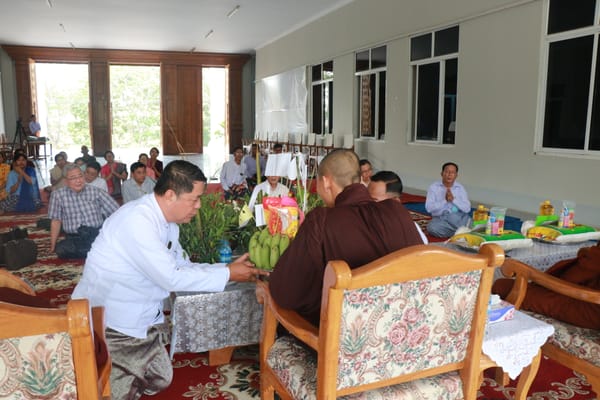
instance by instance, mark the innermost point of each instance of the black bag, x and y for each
(13, 234)
(17, 254)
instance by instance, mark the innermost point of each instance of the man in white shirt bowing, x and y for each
(135, 262)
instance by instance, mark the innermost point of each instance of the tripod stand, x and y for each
(20, 136)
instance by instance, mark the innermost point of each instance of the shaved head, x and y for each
(341, 165)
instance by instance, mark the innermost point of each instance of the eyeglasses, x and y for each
(75, 178)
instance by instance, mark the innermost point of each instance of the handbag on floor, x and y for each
(14, 234)
(16, 254)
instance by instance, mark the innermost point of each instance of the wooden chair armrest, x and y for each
(104, 369)
(289, 319)
(524, 273)
(9, 280)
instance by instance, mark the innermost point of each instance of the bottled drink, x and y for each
(480, 215)
(225, 252)
(546, 208)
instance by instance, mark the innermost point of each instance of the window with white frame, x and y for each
(371, 68)
(434, 63)
(571, 94)
(322, 97)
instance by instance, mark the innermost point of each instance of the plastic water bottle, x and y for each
(225, 252)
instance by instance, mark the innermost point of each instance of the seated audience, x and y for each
(4, 171)
(92, 176)
(114, 173)
(155, 164)
(366, 170)
(584, 271)
(388, 185)
(251, 168)
(80, 163)
(139, 184)
(271, 188)
(143, 158)
(56, 173)
(87, 157)
(352, 227)
(233, 176)
(80, 210)
(21, 187)
(448, 203)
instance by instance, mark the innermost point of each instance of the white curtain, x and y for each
(281, 103)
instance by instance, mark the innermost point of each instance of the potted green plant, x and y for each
(216, 220)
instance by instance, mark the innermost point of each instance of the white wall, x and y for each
(498, 83)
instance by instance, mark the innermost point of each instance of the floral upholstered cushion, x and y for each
(296, 367)
(388, 331)
(37, 367)
(392, 330)
(581, 342)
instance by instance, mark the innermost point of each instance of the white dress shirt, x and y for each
(135, 262)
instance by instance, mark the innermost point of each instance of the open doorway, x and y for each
(135, 108)
(214, 117)
(62, 105)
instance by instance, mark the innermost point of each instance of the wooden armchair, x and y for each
(408, 325)
(70, 329)
(575, 347)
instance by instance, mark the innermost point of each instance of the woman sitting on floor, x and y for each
(21, 187)
(4, 171)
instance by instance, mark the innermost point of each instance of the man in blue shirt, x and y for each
(448, 203)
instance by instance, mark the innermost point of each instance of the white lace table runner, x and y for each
(513, 344)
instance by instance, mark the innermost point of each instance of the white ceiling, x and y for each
(168, 25)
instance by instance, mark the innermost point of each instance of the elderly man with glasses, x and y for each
(80, 210)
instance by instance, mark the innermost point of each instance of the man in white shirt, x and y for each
(92, 176)
(233, 176)
(135, 262)
(271, 188)
(138, 184)
(388, 185)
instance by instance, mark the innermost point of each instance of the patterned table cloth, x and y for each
(204, 321)
(512, 344)
(544, 255)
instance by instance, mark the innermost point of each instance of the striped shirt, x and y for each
(89, 207)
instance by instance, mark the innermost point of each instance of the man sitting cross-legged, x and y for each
(80, 209)
(139, 184)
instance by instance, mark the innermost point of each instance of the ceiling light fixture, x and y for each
(62, 27)
(49, 2)
(233, 11)
(209, 34)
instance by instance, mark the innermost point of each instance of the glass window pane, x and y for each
(317, 107)
(328, 70)
(378, 57)
(446, 41)
(450, 79)
(381, 109)
(366, 89)
(427, 101)
(594, 143)
(362, 61)
(420, 47)
(565, 15)
(329, 108)
(316, 73)
(569, 66)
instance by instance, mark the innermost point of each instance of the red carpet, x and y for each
(194, 379)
